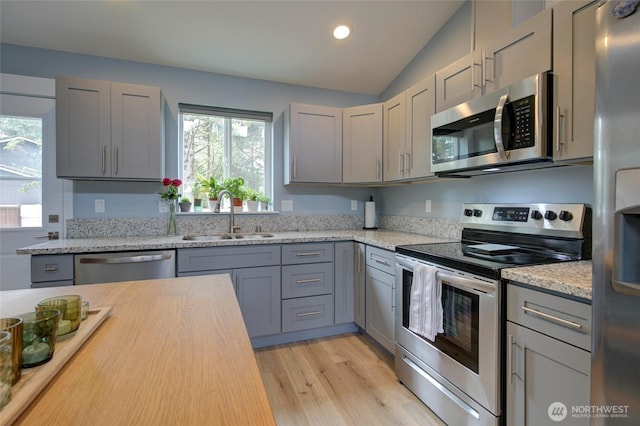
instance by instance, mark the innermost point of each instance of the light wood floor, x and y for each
(342, 380)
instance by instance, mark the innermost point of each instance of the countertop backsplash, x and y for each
(215, 224)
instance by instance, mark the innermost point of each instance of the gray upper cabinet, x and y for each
(420, 106)
(490, 17)
(108, 130)
(395, 156)
(312, 144)
(362, 144)
(521, 52)
(518, 54)
(574, 70)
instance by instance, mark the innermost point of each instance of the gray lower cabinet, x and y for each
(547, 358)
(51, 270)
(307, 286)
(255, 272)
(359, 286)
(380, 298)
(344, 275)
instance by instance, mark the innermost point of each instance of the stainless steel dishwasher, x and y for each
(124, 266)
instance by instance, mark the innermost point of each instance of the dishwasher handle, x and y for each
(126, 259)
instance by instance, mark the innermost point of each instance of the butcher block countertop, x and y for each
(172, 352)
(570, 278)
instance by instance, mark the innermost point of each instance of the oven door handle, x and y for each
(466, 283)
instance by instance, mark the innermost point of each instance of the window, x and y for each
(20, 172)
(226, 143)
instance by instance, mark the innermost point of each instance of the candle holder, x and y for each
(70, 307)
(39, 336)
(14, 326)
(5, 368)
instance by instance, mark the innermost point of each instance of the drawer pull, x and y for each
(308, 314)
(309, 253)
(551, 318)
(51, 268)
(310, 280)
(381, 261)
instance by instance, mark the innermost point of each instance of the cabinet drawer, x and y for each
(555, 316)
(293, 254)
(51, 268)
(208, 259)
(307, 280)
(384, 260)
(307, 312)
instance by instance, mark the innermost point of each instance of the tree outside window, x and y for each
(223, 143)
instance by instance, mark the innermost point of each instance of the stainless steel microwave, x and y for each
(505, 130)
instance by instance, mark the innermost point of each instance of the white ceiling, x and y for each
(283, 41)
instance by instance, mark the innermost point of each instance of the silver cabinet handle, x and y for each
(407, 161)
(552, 318)
(50, 236)
(310, 280)
(378, 168)
(484, 68)
(127, 259)
(559, 119)
(308, 314)
(104, 159)
(510, 359)
(380, 260)
(625, 287)
(295, 174)
(117, 159)
(50, 268)
(497, 126)
(309, 253)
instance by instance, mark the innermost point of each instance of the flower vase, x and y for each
(172, 227)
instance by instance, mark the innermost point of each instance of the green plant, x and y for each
(264, 199)
(235, 186)
(252, 195)
(197, 190)
(210, 186)
(185, 200)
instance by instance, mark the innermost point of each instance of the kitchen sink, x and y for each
(227, 236)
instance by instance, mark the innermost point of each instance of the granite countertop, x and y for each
(384, 239)
(573, 278)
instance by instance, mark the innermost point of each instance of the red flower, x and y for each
(166, 181)
(176, 182)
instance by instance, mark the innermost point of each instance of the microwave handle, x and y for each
(497, 127)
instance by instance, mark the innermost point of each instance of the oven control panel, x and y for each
(538, 218)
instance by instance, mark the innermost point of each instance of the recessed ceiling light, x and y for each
(341, 31)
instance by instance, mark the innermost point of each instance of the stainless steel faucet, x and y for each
(232, 227)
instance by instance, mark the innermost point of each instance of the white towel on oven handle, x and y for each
(425, 304)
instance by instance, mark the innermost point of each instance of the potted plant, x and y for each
(197, 197)
(185, 204)
(252, 200)
(210, 186)
(264, 201)
(236, 187)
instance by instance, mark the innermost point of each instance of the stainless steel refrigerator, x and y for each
(615, 369)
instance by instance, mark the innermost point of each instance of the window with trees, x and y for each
(222, 143)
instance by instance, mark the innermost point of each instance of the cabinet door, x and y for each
(83, 128)
(344, 269)
(518, 54)
(381, 307)
(258, 291)
(359, 298)
(420, 106)
(574, 70)
(313, 144)
(457, 83)
(393, 141)
(362, 144)
(137, 145)
(542, 371)
(490, 17)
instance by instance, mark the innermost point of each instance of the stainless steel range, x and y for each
(459, 373)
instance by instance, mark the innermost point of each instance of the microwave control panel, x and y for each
(524, 122)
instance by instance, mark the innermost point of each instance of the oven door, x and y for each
(467, 354)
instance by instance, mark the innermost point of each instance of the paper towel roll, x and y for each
(370, 214)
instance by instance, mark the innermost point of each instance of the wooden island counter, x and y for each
(172, 352)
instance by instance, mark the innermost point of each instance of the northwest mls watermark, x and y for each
(557, 411)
